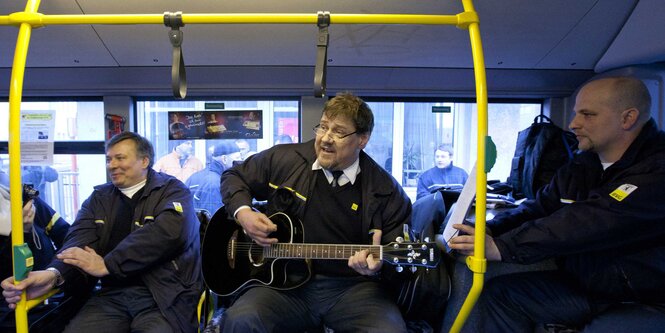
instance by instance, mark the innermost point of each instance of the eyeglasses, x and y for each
(322, 130)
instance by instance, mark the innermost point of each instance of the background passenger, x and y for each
(284, 138)
(245, 149)
(44, 232)
(38, 176)
(139, 235)
(204, 184)
(181, 162)
(602, 216)
(442, 174)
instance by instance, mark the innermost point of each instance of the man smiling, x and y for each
(139, 236)
(343, 197)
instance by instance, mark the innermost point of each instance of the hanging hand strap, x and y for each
(178, 74)
(321, 55)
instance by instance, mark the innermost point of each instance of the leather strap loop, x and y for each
(178, 74)
(321, 54)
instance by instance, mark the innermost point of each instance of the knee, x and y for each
(495, 291)
(240, 316)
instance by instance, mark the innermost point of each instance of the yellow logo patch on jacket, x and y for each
(177, 206)
(623, 191)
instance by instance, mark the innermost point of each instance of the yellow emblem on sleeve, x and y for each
(354, 206)
(623, 191)
(177, 206)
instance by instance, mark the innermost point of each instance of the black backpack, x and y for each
(541, 149)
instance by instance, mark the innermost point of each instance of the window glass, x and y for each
(66, 183)
(73, 119)
(406, 135)
(199, 162)
(280, 119)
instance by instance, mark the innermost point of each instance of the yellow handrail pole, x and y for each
(277, 18)
(477, 263)
(468, 19)
(15, 190)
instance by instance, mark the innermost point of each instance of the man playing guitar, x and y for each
(342, 197)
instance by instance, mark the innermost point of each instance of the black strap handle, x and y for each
(178, 74)
(541, 118)
(321, 54)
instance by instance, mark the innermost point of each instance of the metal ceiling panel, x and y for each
(517, 34)
(588, 39)
(641, 39)
(54, 46)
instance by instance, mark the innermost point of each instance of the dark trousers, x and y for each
(129, 309)
(342, 304)
(519, 302)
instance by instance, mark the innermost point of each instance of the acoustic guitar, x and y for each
(233, 262)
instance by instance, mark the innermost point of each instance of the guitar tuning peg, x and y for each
(413, 269)
(427, 239)
(399, 239)
(399, 269)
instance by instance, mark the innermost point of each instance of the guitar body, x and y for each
(232, 262)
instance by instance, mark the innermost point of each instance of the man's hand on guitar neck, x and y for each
(364, 262)
(257, 226)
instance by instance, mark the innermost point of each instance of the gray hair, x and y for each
(143, 146)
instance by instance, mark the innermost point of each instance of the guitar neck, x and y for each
(319, 251)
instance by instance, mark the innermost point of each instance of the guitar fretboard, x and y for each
(319, 251)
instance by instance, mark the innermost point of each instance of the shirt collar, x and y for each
(349, 176)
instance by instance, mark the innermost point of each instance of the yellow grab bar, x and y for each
(468, 19)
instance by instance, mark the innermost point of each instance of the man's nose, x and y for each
(574, 124)
(328, 137)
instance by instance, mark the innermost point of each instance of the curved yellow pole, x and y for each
(477, 263)
(467, 20)
(15, 189)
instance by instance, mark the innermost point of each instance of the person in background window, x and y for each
(181, 162)
(204, 184)
(139, 235)
(343, 197)
(44, 232)
(443, 174)
(38, 176)
(245, 149)
(602, 217)
(284, 138)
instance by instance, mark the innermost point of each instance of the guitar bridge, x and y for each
(231, 249)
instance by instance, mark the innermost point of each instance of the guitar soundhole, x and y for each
(255, 255)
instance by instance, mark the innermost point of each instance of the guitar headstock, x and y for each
(399, 254)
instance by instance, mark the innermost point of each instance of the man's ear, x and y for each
(364, 139)
(629, 118)
(145, 161)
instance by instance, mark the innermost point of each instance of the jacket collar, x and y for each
(381, 183)
(216, 167)
(639, 146)
(155, 180)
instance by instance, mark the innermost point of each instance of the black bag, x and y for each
(540, 151)
(423, 295)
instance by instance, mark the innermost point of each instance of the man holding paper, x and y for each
(602, 217)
